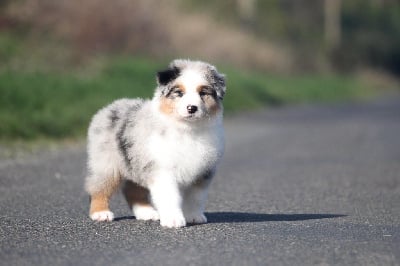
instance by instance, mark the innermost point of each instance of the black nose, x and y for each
(192, 109)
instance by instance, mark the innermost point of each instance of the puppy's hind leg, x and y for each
(138, 199)
(100, 198)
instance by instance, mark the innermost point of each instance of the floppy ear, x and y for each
(166, 76)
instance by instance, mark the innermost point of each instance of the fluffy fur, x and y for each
(164, 150)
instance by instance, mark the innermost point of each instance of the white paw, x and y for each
(173, 221)
(102, 216)
(198, 218)
(145, 213)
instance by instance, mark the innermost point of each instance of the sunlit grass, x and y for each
(60, 105)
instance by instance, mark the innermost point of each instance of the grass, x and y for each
(252, 90)
(59, 105)
(36, 105)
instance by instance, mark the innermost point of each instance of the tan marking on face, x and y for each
(167, 105)
(200, 88)
(213, 105)
(135, 194)
(181, 87)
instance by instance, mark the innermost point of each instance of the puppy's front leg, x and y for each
(195, 198)
(167, 198)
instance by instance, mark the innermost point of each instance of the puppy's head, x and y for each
(190, 91)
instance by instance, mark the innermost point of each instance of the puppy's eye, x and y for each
(205, 91)
(177, 92)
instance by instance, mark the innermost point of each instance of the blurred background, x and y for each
(61, 60)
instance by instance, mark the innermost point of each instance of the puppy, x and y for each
(164, 150)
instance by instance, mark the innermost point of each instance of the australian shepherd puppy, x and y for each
(163, 151)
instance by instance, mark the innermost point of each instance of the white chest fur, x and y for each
(187, 154)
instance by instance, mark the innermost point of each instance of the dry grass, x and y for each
(378, 79)
(158, 28)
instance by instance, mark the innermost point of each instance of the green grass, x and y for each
(9, 47)
(252, 90)
(36, 105)
(60, 105)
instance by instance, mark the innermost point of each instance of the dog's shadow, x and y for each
(249, 217)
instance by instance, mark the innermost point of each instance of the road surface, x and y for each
(308, 185)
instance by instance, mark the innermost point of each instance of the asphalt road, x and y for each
(297, 186)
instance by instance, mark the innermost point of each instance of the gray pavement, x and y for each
(298, 186)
